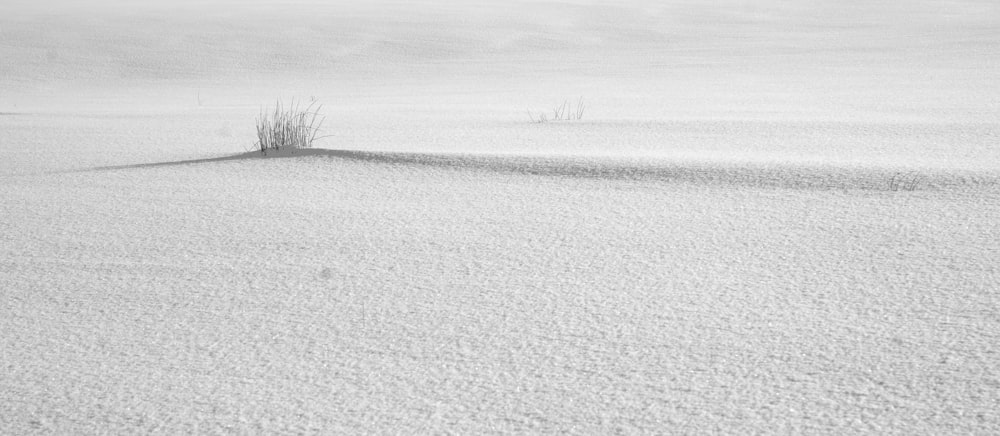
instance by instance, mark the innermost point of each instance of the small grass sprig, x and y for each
(904, 181)
(565, 112)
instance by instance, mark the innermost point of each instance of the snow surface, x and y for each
(715, 248)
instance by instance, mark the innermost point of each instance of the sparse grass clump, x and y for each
(565, 112)
(291, 127)
(905, 181)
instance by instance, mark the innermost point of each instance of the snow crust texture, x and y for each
(777, 217)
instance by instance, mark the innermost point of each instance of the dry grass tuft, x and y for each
(905, 181)
(565, 112)
(292, 126)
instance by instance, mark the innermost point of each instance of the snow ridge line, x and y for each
(738, 173)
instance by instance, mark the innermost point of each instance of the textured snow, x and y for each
(715, 248)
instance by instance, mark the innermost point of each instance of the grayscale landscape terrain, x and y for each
(524, 217)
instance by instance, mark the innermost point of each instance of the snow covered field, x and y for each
(716, 247)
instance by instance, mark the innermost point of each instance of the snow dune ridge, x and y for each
(735, 173)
